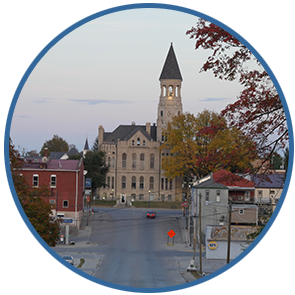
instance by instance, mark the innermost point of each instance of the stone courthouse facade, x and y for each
(132, 151)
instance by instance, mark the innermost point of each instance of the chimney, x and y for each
(100, 134)
(148, 128)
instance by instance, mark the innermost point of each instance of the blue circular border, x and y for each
(103, 13)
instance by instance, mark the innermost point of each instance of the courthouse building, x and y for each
(132, 151)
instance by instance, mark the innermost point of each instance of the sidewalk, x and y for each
(208, 265)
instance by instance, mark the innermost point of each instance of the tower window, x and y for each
(161, 113)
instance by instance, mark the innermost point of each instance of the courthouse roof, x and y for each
(171, 69)
(125, 132)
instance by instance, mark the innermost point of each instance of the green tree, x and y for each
(56, 144)
(33, 202)
(95, 145)
(95, 165)
(202, 144)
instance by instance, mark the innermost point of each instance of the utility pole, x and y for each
(229, 231)
(200, 234)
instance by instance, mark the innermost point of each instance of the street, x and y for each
(131, 250)
(132, 247)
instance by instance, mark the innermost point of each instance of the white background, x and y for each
(254, 33)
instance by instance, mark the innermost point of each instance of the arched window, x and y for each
(161, 113)
(138, 141)
(124, 160)
(123, 183)
(141, 182)
(133, 161)
(133, 182)
(170, 91)
(152, 161)
(152, 183)
(164, 90)
(141, 161)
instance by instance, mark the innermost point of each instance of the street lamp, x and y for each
(149, 197)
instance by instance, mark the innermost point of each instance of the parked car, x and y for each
(69, 259)
(151, 214)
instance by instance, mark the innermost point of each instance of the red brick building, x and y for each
(65, 179)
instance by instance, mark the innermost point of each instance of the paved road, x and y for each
(134, 248)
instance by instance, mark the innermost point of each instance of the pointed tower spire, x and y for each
(86, 146)
(171, 69)
(170, 98)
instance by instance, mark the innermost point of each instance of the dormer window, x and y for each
(138, 141)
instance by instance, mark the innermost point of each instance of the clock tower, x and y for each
(170, 98)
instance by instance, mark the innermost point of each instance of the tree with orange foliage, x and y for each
(258, 111)
(204, 143)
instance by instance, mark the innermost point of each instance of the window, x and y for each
(170, 184)
(141, 182)
(109, 161)
(108, 181)
(133, 182)
(207, 195)
(152, 183)
(113, 181)
(152, 161)
(141, 197)
(133, 197)
(166, 183)
(52, 202)
(138, 141)
(65, 204)
(141, 164)
(241, 211)
(132, 142)
(218, 197)
(143, 142)
(36, 180)
(169, 197)
(53, 181)
(133, 161)
(124, 160)
(113, 162)
(162, 183)
(247, 196)
(123, 183)
(161, 113)
(162, 198)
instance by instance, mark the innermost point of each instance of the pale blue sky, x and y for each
(106, 72)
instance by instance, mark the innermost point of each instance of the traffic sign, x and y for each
(171, 233)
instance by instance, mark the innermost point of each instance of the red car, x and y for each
(151, 214)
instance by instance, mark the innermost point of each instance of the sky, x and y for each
(106, 72)
(27, 26)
